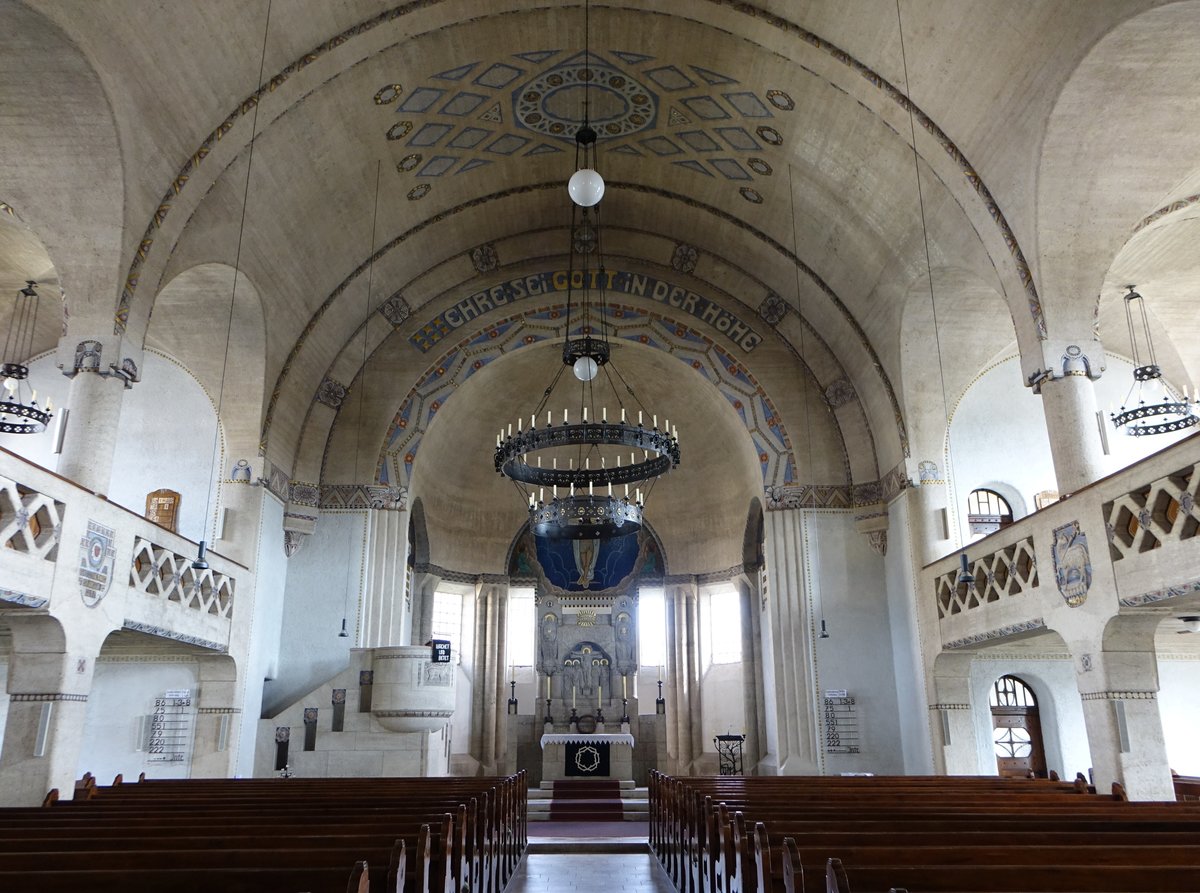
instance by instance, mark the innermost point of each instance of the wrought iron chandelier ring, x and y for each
(512, 454)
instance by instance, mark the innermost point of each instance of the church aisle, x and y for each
(584, 872)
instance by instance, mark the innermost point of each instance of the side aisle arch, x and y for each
(632, 324)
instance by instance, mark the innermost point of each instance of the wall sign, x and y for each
(439, 651)
(170, 727)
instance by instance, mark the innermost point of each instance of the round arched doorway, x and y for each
(1016, 729)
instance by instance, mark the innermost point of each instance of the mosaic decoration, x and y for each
(550, 103)
(1072, 563)
(772, 309)
(1179, 205)
(582, 565)
(12, 597)
(388, 94)
(928, 472)
(1158, 595)
(362, 496)
(751, 195)
(461, 112)
(439, 383)
(418, 192)
(992, 635)
(395, 310)
(164, 633)
(331, 393)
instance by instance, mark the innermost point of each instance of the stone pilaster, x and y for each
(788, 672)
(383, 598)
(49, 681)
(218, 718)
(424, 585)
(952, 724)
(751, 671)
(1117, 677)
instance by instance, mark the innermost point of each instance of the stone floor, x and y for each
(582, 872)
(589, 857)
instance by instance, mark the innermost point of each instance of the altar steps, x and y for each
(588, 801)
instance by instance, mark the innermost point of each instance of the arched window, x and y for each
(1009, 691)
(987, 512)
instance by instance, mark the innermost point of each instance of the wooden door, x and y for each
(1016, 729)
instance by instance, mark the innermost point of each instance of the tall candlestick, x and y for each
(572, 697)
(547, 688)
(624, 686)
(599, 692)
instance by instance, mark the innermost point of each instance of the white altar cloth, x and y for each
(580, 738)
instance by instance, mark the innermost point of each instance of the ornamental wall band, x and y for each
(616, 281)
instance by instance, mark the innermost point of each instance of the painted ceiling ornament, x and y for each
(772, 309)
(618, 105)
(1072, 563)
(685, 257)
(331, 393)
(484, 258)
(96, 555)
(839, 393)
(395, 310)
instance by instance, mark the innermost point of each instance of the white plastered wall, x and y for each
(1179, 703)
(1060, 711)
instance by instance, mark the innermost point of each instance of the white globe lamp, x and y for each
(585, 368)
(586, 187)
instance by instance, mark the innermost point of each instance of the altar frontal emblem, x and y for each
(1072, 564)
(96, 554)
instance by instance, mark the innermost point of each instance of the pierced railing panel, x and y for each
(162, 573)
(1010, 570)
(1164, 511)
(30, 522)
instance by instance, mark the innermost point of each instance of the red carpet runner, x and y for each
(586, 801)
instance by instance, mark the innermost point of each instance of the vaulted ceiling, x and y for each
(369, 166)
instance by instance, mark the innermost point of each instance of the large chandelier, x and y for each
(1148, 413)
(19, 413)
(586, 474)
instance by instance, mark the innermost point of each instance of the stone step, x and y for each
(635, 805)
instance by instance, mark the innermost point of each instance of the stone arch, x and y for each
(1141, 73)
(712, 361)
(941, 353)
(63, 170)
(209, 317)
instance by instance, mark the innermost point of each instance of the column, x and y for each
(683, 676)
(90, 438)
(788, 678)
(1117, 677)
(383, 602)
(952, 721)
(751, 671)
(1069, 403)
(49, 682)
(424, 585)
(491, 626)
(218, 712)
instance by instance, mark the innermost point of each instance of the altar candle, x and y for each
(547, 688)
(624, 686)
(572, 697)
(599, 692)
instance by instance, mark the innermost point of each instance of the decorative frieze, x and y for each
(1119, 696)
(991, 635)
(49, 696)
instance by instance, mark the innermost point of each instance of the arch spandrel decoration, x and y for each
(709, 359)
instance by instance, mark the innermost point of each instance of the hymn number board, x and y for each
(170, 727)
(841, 722)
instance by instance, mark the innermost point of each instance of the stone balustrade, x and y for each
(61, 544)
(1117, 540)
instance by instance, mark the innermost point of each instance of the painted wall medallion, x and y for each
(96, 554)
(1072, 563)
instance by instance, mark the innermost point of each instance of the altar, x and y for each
(581, 755)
